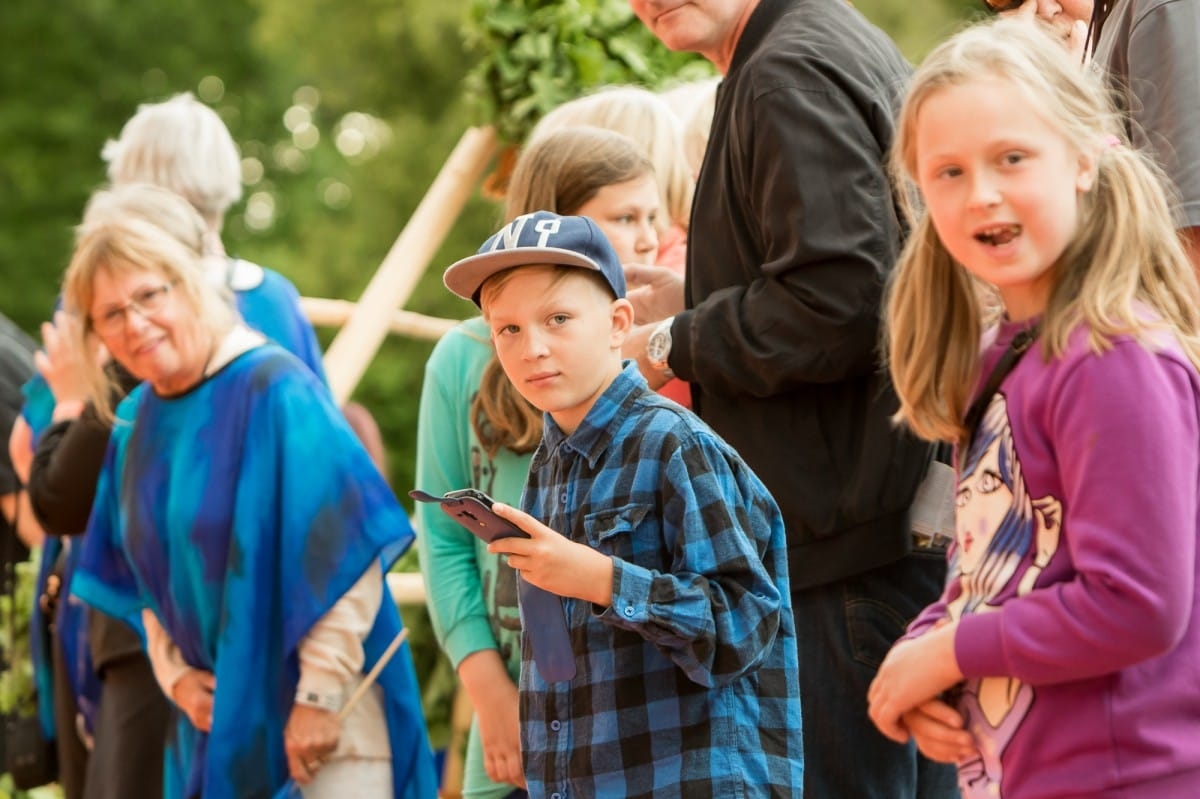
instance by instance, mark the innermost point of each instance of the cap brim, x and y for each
(466, 276)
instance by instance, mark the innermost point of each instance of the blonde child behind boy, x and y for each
(651, 124)
(1071, 608)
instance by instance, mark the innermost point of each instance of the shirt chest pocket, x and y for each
(619, 532)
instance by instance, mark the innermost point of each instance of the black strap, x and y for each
(1008, 361)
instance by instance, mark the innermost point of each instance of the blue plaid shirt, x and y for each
(688, 684)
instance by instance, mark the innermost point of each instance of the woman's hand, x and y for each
(62, 365)
(193, 694)
(310, 737)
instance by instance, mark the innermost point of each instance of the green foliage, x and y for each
(16, 680)
(536, 54)
(10, 791)
(73, 73)
(917, 26)
(17, 696)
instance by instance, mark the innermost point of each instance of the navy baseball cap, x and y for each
(538, 238)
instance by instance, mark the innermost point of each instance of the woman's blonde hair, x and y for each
(1124, 258)
(182, 145)
(558, 172)
(140, 228)
(645, 118)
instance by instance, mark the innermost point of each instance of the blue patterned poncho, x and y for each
(246, 507)
(269, 303)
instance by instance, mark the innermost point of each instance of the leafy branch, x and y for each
(537, 54)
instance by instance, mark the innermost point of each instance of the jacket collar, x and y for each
(761, 21)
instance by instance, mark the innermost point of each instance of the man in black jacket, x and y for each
(794, 230)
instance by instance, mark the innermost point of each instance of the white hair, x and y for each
(182, 145)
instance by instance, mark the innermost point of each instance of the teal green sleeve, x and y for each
(449, 559)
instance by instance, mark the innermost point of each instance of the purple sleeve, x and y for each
(1123, 429)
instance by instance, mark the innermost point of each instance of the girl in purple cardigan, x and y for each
(1063, 658)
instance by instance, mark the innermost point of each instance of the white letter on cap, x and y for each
(510, 235)
(547, 227)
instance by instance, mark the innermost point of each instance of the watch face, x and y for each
(658, 346)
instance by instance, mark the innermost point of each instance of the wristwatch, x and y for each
(658, 347)
(329, 702)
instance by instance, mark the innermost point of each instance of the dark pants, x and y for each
(131, 732)
(72, 754)
(844, 629)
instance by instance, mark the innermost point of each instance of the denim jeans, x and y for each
(844, 629)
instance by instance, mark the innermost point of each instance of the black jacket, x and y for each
(62, 487)
(794, 230)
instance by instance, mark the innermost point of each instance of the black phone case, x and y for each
(541, 611)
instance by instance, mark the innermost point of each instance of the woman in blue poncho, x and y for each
(240, 517)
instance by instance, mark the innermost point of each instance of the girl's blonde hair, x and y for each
(645, 118)
(562, 170)
(558, 172)
(140, 228)
(1124, 258)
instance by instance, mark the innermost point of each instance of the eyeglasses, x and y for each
(1000, 6)
(146, 303)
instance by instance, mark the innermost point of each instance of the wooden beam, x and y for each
(356, 344)
(324, 312)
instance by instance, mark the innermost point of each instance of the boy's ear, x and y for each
(622, 321)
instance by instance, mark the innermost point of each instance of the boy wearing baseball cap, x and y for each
(667, 550)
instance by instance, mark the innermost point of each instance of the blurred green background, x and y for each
(344, 113)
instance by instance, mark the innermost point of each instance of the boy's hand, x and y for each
(914, 672)
(938, 730)
(553, 562)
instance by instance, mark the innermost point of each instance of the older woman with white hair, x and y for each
(241, 517)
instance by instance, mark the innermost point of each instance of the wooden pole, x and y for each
(355, 345)
(322, 312)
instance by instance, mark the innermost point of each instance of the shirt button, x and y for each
(629, 611)
(556, 795)
(563, 498)
(555, 725)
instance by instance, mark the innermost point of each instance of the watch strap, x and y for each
(329, 702)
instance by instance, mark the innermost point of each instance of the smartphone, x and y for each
(472, 509)
(542, 612)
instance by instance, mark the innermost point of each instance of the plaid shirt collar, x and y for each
(594, 434)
